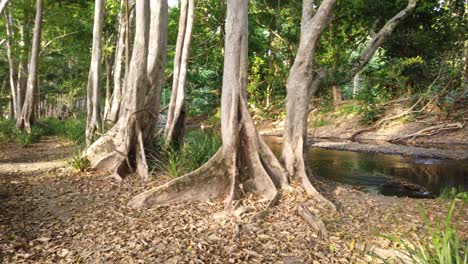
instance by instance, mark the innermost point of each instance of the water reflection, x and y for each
(386, 174)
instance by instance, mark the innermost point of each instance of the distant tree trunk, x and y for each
(11, 109)
(27, 114)
(244, 163)
(22, 80)
(121, 48)
(356, 84)
(337, 99)
(94, 120)
(109, 73)
(298, 87)
(176, 115)
(3, 5)
(122, 148)
(11, 62)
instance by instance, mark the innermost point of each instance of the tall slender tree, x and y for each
(11, 62)
(27, 113)
(176, 115)
(93, 117)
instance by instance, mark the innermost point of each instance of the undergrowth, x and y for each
(197, 149)
(443, 246)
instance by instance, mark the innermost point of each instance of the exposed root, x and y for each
(312, 220)
(208, 182)
(430, 131)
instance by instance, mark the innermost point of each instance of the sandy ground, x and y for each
(51, 215)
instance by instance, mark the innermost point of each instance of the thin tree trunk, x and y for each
(176, 115)
(109, 73)
(121, 49)
(27, 113)
(11, 62)
(22, 80)
(122, 148)
(356, 84)
(3, 5)
(244, 157)
(94, 120)
(337, 99)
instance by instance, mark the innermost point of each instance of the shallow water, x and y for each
(391, 175)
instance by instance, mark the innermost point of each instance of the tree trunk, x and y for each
(11, 62)
(337, 99)
(109, 73)
(356, 79)
(27, 113)
(121, 48)
(298, 87)
(22, 80)
(3, 5)
(121, 149)
(244, 163)
(175, 125)
(93, 117)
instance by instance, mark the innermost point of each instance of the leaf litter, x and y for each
(57, 216)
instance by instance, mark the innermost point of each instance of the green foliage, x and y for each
(25, 139)
(198, 148)
(450, 193)
(443, 247)
(319, 122)
(71, 129)
(78, 162)
(7, 128)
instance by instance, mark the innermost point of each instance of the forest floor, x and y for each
(49, 214)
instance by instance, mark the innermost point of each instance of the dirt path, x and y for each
(51, 215)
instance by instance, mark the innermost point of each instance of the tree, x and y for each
(175, 125)
(122, 148)
(27, 112)
(304, 80)
(244, 162)
(3, 5)
(298, 91)
(11, 64)
(94, 119)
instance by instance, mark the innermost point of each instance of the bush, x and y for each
(7, 129)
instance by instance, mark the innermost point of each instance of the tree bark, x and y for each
(299, 85)
(122, 148)
(27, 113)
(93, 117)
(22, 80)
(11, 63)
(3, 5)
(337, 99)
(121, 48)
(109, 73)
(175, 125)
(244, 163)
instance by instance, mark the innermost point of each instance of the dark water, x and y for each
(390, 175)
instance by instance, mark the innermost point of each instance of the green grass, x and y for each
(79, 163)
(443, 247)
(197, 149)
(451, 193)
(71, 129)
